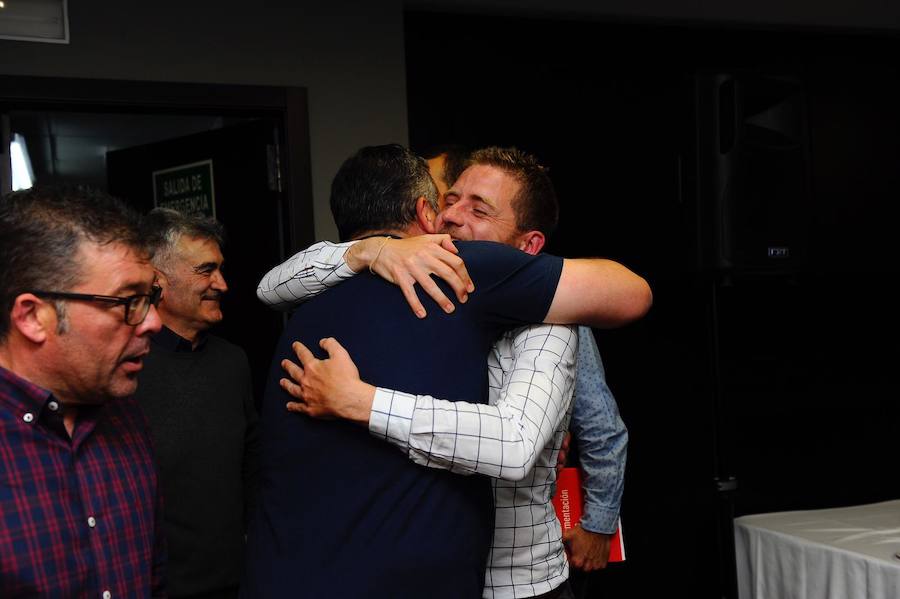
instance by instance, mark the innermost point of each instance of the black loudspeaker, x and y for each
(754, 171)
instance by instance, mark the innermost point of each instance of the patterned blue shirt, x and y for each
(601, 436)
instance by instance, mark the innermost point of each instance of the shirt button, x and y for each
(53, 406)
(107, 595)
(92, 522)
(28, 417)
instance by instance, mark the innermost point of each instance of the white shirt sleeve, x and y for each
(304, 275)
(502, 440)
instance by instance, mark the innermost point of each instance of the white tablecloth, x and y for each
(841, 553)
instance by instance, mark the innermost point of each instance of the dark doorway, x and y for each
(112, 135)
(231, 174)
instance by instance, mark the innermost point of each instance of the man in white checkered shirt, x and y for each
(515, 439)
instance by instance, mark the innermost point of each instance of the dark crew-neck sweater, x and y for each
(203, 422)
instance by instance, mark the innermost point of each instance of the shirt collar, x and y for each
(391, 235)
(23, 396)
(34, 404)
(172, 341)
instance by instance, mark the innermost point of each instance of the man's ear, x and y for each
(531, 242)
(32, 317)
(425, 215)
(162, 281)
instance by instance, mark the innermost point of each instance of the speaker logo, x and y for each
(779, 253)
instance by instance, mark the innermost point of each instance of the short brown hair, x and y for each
(41, 230)
(535, 206)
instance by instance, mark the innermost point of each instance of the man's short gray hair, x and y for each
(164, 227)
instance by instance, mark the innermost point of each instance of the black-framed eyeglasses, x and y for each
(136, 306)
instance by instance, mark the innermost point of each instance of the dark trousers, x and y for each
(578, 581)
(563, 591)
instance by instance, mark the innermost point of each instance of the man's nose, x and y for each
(452, 215)
(152, 323)
(218, 282)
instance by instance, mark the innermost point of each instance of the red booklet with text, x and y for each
(569, 504)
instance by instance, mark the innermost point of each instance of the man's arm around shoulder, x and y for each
(599, 293)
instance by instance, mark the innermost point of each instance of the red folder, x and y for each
(569, 504)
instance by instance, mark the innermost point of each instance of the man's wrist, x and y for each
(359, 255)
(358, 405)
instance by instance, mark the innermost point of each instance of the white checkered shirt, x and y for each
(304, 275)
(515, 440)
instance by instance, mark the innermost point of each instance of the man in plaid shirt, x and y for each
(79, 499)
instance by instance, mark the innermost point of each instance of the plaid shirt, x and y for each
(79, 516)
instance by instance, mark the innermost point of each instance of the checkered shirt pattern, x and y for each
(81, 516)
(304, 275)
(515, 440)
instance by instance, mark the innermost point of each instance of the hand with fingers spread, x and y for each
(327, 388)
(412, 260)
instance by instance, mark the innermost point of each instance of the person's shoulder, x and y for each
(226, 348)
(492, 254)
(487, 248)
(490, 260)
(126, 414)
(494, 250)
(221, 343)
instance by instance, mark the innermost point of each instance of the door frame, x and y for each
(287, 104)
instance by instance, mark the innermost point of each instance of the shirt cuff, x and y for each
(600, 519)
(341, 271)
(331, 258)
(391, 416)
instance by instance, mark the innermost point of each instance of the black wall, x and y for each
(774, 372)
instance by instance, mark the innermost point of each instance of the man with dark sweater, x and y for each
(196, 392)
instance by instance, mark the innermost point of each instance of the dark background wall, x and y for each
(773, 372)
(347, 54)
(871, 14)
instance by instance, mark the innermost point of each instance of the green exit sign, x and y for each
(187, 188)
